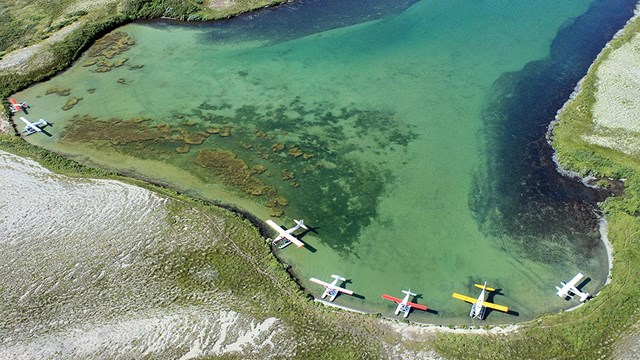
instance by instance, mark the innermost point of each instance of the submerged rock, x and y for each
(71, 103)
(275, 212)
(59, 91)
(183, 149)
(277, 147)
(192, 138)
(232, 171)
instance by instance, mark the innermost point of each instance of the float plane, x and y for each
(333, 288)
(479, 305)
(287, 234)
(15, 106)
(570, 290)
(31, 128)
(404, 305)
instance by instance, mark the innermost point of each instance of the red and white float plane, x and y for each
(479, 305)
(15, 107)
(569, 289)
(287, 234)
(32, 128)
(333, 288)
(404, 305)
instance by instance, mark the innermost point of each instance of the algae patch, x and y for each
(284, 157)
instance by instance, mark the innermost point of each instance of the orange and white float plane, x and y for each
(15, 106)
(332, 289)
(404, 305)
(479, 305)
(31, 128)
(570, 290)
(287, 234)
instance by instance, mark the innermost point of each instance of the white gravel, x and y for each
(616, 112)
(81, 274)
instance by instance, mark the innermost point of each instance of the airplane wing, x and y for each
(465, 298)
(391, 298)
(573, 282)
(14, 105)
(397, 300)
(293, 239)
(495, 306)
(563, 292)
(275, 226)
(327, 285)
(29, 125)
(417, 306)
(284, 234)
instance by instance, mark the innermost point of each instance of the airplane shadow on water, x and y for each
(490, 299)
(46, 132)
(584, 283)
(429, 310)
(306, 244)
(355, 295)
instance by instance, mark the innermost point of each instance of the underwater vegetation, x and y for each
(329, 155)
(103, 52)
(71, 103)
(232, 171)
(305, 151)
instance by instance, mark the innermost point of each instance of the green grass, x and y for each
(51, 161)
(24, 23)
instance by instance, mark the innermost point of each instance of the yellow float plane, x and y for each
(479, 305)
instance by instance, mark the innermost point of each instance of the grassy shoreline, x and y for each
(89, 27)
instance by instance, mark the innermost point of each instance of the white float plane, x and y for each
(480, 305)
(35, 127)
(333, 288)
(404, 305)
(287, 234)
(569, 289)
(15, 107)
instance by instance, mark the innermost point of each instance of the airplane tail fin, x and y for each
(301, 224)
(338, 277)
(408, 292)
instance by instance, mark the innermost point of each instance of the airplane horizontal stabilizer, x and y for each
(483, 287)
(332, 287)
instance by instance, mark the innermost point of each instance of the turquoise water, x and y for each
(375, 133)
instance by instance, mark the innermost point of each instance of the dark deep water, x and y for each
(536, 199)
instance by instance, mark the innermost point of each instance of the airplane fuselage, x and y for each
(477, 309)
(331, 291)
(403, 307)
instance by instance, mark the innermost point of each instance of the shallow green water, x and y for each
(391, 112)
